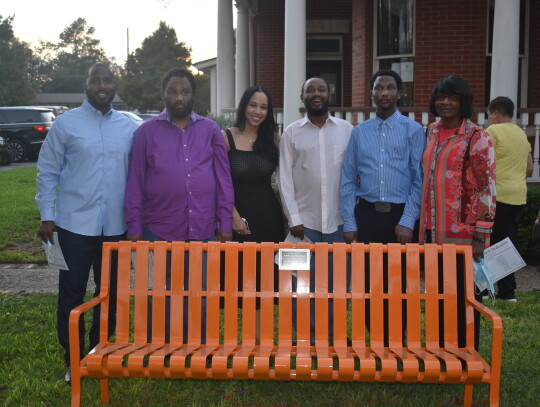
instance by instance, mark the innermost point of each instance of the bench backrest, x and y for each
(412, 281)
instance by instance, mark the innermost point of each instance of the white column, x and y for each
(295, 59)
(252, 50)
(213, 91)
(225, 56)
(505, 54)
(242, 49)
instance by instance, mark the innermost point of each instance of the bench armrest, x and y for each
(74, 317)
(495, 319)
(496, 336)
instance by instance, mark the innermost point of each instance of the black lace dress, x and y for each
(254, 197)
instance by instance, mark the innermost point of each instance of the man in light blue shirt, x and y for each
(381, 179)
(85, 156)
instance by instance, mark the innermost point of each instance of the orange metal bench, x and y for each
(262, 344)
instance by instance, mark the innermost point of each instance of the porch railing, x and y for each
(527, 118)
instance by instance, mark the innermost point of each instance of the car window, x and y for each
(20, 116)
(23, 116)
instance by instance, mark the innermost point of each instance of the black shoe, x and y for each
(511, 298)
(67, 377)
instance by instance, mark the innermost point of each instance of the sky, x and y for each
(195, 22)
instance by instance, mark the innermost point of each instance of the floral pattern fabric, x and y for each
(458, 195)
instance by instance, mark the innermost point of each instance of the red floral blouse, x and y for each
(458, 195)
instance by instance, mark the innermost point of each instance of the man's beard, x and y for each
(322, 111)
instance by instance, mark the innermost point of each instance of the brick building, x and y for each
(494, 44)
(281, 42)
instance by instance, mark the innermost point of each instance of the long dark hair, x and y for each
(454, 86)
(265, 142)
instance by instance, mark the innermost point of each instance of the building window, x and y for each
(324, 59)
(394, 42)
(524, 12)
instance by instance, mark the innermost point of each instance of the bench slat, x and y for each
(376, 302)
(431, 278)
(178, 264)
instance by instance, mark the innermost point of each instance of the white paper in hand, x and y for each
(55, 258)
(502, 259)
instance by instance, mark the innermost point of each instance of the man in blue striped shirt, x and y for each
(381, 179)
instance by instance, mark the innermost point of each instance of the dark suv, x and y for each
(24, 129)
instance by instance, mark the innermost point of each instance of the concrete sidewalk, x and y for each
(33, 278)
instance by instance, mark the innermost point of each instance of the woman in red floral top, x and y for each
(458, 194)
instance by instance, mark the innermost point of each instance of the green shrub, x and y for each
(527, 248)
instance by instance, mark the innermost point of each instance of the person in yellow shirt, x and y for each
(514, 163)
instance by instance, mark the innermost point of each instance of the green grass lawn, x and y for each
(19, 217)
(31, 370)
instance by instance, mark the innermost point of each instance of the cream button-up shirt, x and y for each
(310, 160)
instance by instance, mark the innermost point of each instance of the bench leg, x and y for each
(104, 387)
(467, 395)
(494, 394)
(75, 391)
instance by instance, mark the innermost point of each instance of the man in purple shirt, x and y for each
(179, 185)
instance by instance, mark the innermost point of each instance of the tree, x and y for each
(63, 66)
(141, 85)
(16, 86)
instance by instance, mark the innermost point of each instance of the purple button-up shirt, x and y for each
(179, 184)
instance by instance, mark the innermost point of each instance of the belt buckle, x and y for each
(382, 206)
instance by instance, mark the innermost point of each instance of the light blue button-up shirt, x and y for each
(85, 155)
(382, 164)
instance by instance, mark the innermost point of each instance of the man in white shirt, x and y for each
(311, 152)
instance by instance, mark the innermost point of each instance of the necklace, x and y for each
(251, 141)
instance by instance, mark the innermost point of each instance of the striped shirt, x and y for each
(382, 164)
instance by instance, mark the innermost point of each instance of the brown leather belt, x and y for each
(382, 207)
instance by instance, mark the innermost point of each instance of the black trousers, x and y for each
(379, 227)
(81, 253)
(460, 280)
(506, 224)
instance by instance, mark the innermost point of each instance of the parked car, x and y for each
(146, 116)
(57, 110)
(24, 128)
(5, 154)
(132, 116)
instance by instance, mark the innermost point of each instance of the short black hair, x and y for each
(453, 86)
(104, 65)
(181, 73)
(386, 72)
(315, 77)
(503, 105)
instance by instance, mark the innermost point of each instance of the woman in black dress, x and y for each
(253, 157)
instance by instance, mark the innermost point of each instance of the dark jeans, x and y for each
(316, 236)
(506, 224)
(82, 252)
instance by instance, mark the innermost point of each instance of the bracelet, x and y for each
(478, 239)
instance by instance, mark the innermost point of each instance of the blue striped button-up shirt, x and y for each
(382, 164)
(85, 154)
